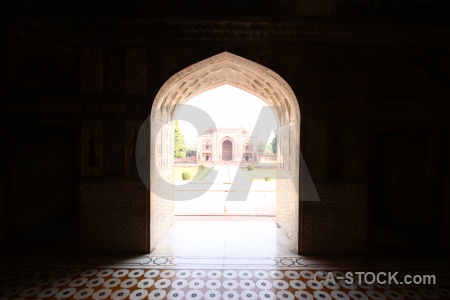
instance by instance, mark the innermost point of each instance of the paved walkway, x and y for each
(225, 190)
(226, 178)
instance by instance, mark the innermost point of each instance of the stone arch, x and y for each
(221, 69)
(227, 68)
(233, 148)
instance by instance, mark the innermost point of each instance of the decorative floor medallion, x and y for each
(18, 282)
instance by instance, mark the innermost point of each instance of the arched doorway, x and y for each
(227, 150)
(225, 68)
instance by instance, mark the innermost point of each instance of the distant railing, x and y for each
(265, 157)
(190, 159)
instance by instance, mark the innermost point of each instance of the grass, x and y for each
(261, 174)
(197, 172)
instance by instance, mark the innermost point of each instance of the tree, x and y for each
(179, 143)
(274, 144)
(263, 148)
(191, 151)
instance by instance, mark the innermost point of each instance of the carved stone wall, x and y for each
(92, 149)
(287, 208)
(161, 183)
(401, 82)
(136, 71)
(92, 71)
(287, 182)
(131, 132)
(143, 31)
(161, 209)
(227, 68)
(2, 214)
(113, 214)
(334, 88)
(113, 140)
(446, 214)
(337, 223)
(114, 71)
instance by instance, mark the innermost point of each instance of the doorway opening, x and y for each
(227, 150)
(236, 212)
(233, 141)
(235, 71)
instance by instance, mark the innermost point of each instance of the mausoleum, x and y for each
(227, 145)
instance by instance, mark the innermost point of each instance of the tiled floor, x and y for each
(234, 258)
(225, 236)
(152, 283)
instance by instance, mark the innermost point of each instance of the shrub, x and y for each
(250, 167)
(186, 176)
(203, 167)
(267, 178)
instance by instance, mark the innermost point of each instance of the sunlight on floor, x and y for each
(223, 236)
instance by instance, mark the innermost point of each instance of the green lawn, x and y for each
(260, 174)
(197, 172)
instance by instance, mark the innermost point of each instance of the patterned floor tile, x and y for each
(161, 283)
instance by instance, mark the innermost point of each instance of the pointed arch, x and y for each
(228, 68)
(221, 69)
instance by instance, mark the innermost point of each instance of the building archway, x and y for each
(221, 69)
(227, 150)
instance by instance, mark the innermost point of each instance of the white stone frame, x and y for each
(218, 70)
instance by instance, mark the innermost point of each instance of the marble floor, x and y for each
(224, 236)
(105, 282)
(226, 257)
(213, 258)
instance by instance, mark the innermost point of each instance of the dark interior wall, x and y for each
(2, 193)
(405, 183)
(374, 105)
(42, 185)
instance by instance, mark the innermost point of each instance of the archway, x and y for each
(225, 68)
(227, 150)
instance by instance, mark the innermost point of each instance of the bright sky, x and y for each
(228, 107)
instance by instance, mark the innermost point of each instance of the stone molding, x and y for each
(238, 71)
(186, 32)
